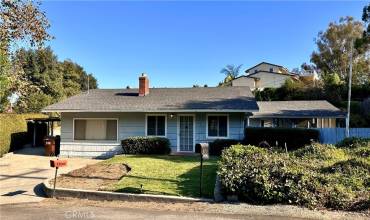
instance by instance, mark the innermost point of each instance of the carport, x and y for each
(38, 128)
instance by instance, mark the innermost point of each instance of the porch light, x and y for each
(172, 115)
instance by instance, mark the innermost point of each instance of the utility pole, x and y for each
(349, 90)
(88, 83)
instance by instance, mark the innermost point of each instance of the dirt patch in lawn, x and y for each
(93, 177)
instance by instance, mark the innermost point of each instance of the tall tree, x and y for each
(364, 42)
(4, 80)
(333, 51)
(231, 71)
(75, 78)
(21, 21)
(49, 79)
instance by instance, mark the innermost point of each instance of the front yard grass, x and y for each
(166, 175)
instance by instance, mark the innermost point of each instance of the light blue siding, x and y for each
(133, 124)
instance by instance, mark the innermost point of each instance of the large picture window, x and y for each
(217, 126)
(95, 129)
(156, 125)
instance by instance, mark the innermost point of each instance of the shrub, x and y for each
(146, 145)
(339, 198)
(362, 152)
(315, 176)
(217, 146)
(293, 137)
(349, 167)
(321, 152)
(259, 176)
(354, 142)
(12, 131)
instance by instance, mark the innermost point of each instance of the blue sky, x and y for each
(179, 44)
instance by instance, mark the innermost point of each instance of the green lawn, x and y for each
(166, 175)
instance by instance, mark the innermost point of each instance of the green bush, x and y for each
(217, 146)
(294, 137)
(316, 176)
(320, 152)
(257, 175)
(12, 131)
(146, 145)
(362, 152)
(354, 142)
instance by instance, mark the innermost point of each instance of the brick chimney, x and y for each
(143, 85)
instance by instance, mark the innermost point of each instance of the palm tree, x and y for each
(231, 71)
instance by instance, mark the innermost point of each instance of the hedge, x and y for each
(217, 146)
(13, 129)
(316, 176)
(354, 142)
(146, 145)
(293, 137)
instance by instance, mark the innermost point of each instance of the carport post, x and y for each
(52, 128)
(34, 134)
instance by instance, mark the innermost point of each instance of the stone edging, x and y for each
(104, 195)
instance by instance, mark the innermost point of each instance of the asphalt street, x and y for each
(27, 211)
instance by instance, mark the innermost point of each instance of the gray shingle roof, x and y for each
(209, 99)
(297, 109)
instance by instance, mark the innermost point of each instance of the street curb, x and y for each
(110, 196)
(7, 154)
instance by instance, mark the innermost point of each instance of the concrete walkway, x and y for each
(22, 173)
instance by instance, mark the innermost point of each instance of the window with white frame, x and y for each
(217, 126)
(95, 129)
(156, 125)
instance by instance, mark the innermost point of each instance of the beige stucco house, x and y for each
(264, 75)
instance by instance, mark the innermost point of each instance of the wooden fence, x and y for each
(334, 135)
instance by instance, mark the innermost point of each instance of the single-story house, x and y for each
(296, 114)
(93, 123)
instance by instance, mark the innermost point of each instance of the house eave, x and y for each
(155, 111)
(289, 116)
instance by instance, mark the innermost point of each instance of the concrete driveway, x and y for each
(22, 173)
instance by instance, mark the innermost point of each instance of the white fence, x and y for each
(334, 135)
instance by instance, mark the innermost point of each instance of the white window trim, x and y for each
(165, 125)
(73, 129)
(178, 131)
(218, 137)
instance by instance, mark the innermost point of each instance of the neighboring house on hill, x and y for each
(264, 75)
(297, 114)
(94, 123)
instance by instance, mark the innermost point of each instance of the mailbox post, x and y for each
(57, 163)
(203, 150)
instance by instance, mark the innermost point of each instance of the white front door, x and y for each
(186, 133)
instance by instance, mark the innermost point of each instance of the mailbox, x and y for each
(58, 163)
(203, 149)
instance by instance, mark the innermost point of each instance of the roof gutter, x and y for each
(156, 111)
(305, 116)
